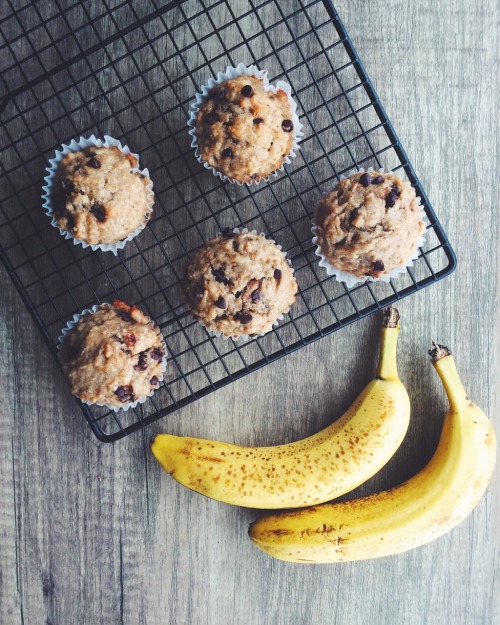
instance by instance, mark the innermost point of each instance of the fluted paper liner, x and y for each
(233, 72)
(76, 146)
(163, 364)
(349, 279)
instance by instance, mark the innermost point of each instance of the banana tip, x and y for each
(438, 351)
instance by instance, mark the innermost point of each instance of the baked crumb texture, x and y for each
(239, 284)
(244, 131)
(97, 197)
(113, 356)
(370, 224)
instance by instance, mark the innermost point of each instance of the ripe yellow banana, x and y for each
(313, 470)
(428, 505)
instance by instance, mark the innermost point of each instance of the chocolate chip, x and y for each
(227, 153)
(220, 276)
(244, 317)
(378, 180)
(238, 293)
(390, 199)
(154, 381)
(98, 211)
(396, 190)
(70, 220)
(365, 179)
(94, 163)
(123, 314)
(258, 120)
(287, 125)
(221, 303)
(157, 354)
(142, 363)
(229, 123)
(236, 246)
(211, 118)
(125, 393)
(68, 186)
(255, 296)
(377, 267)
(353, 215)
(247, 91)
(277, 274)
(234, 140)
(198, 291)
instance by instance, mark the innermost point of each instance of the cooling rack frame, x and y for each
(122, 56)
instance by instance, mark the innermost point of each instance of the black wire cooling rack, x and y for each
(130, 70)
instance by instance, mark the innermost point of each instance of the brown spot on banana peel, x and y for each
(213, 459)
(280, 532)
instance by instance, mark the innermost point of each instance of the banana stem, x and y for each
(387, 366)
(390, 317)
(444, 364)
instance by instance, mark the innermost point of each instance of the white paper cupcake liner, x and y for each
(76, 146)
(163, 364)
(243, 338)
(233, 72)
(349, 279)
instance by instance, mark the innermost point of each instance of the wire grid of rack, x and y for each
(130, 70)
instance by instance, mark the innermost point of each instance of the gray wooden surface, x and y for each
(93, 533)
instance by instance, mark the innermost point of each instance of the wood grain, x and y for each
(93, 533)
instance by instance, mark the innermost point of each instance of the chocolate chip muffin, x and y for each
(239, 284)
(244, 131)
(97, 197)
(370, 224)
(113, 356)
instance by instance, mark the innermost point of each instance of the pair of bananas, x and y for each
(317, 469)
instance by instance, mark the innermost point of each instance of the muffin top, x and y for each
(244, 131)
(239, 284)
(370, 224)
(113, 356)
(97, 197)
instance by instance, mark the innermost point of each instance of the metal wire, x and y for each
(131, 70)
